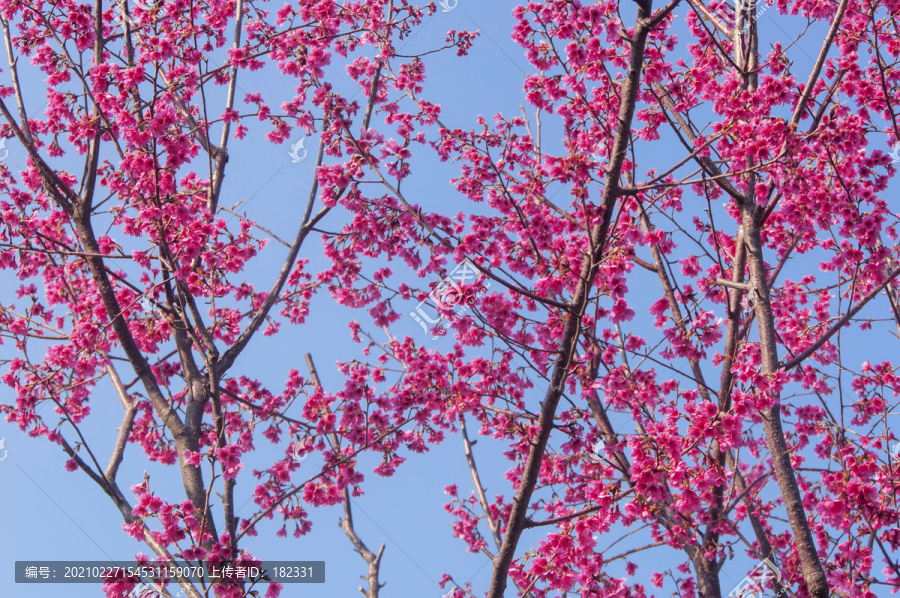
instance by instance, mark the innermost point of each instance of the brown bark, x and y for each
(813, 571)
(568, 346)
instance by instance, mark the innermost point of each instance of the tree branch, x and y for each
(568, 345)
(813, 571)
(124, 430)
(794, 362)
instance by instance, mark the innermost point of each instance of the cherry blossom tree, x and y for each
(689, 161)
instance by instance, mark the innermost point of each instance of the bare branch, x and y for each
(479, 489)
(851, 313)
(820, 62)
(124, 430)
(568, 345)
(346, 524)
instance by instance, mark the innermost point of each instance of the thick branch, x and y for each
(373, 560)
(191, 476)
(568, 346)
(813, 571)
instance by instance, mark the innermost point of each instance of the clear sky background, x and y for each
(50, 514)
